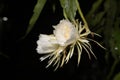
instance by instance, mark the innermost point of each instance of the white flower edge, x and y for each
(46, 44)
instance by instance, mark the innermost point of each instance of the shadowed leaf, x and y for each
(117, 77)
(37, 10)
(69, 8)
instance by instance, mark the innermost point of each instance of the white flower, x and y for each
(59, 47)
(46, 44)
(65, 32)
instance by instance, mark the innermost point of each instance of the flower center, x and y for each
(67, 32)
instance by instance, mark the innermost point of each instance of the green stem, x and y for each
(82, 16)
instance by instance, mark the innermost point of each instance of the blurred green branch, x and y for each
(108, 21)
(112, 69)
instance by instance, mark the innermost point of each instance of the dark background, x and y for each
(18, 57)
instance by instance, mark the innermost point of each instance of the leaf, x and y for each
(97, 19)
(37, 10)
(94, 16)
(117, 77)
(94, 8)
(69, 8)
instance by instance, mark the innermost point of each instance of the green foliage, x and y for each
(115, 40)
(69, 8)
(94, 8)
(108, 21)
(117, 77)
(37, 10)
(97, 19)
(94, 17)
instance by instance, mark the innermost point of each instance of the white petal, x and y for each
(46, 44)
(65, 32)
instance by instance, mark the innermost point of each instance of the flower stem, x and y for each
(82, 16)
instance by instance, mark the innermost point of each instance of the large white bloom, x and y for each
(59, 47)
